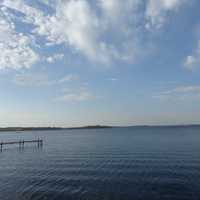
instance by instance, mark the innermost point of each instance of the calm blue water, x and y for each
(106, 164)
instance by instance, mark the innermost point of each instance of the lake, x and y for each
(103, 164)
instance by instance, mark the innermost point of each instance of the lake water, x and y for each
(103, 164)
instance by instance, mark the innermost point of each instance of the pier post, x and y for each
(1, 146)
(38, 142)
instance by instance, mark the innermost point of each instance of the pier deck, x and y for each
(21, 143)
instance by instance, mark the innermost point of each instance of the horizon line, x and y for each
(100, 125)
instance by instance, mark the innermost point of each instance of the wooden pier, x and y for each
(21, 143)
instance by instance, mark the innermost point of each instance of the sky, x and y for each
(85, 62)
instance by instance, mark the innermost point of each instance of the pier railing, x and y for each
(21, 143)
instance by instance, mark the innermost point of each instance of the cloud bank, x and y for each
(102, 31)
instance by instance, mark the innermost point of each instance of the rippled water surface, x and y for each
(106, 164)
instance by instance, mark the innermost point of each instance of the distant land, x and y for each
(50, 128)
(19, 129)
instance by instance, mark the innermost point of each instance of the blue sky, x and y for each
(80, 62)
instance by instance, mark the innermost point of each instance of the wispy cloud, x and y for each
(157, 11)
(76, 95)
(113, 79)
(191, 92)
(54, 58)
(33, 80)
(68, 78)
(38, 79)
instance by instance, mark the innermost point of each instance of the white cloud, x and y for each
(115, 10)
(191, 92)
(184, 89)
(15, 48)
(193, 61)
(54, 58)
(81, 24)
(76, 97)
(157, 11)
(124, 21)
(69, 77)
(39, 79)
(76, 94)
(32, 80)
(113, 79)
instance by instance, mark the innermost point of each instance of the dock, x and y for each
(21, 143)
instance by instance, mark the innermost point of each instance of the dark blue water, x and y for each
(106, 164)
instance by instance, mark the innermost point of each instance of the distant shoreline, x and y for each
(16, 129)
(19, 129)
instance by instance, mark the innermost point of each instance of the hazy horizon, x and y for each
(103, 125)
